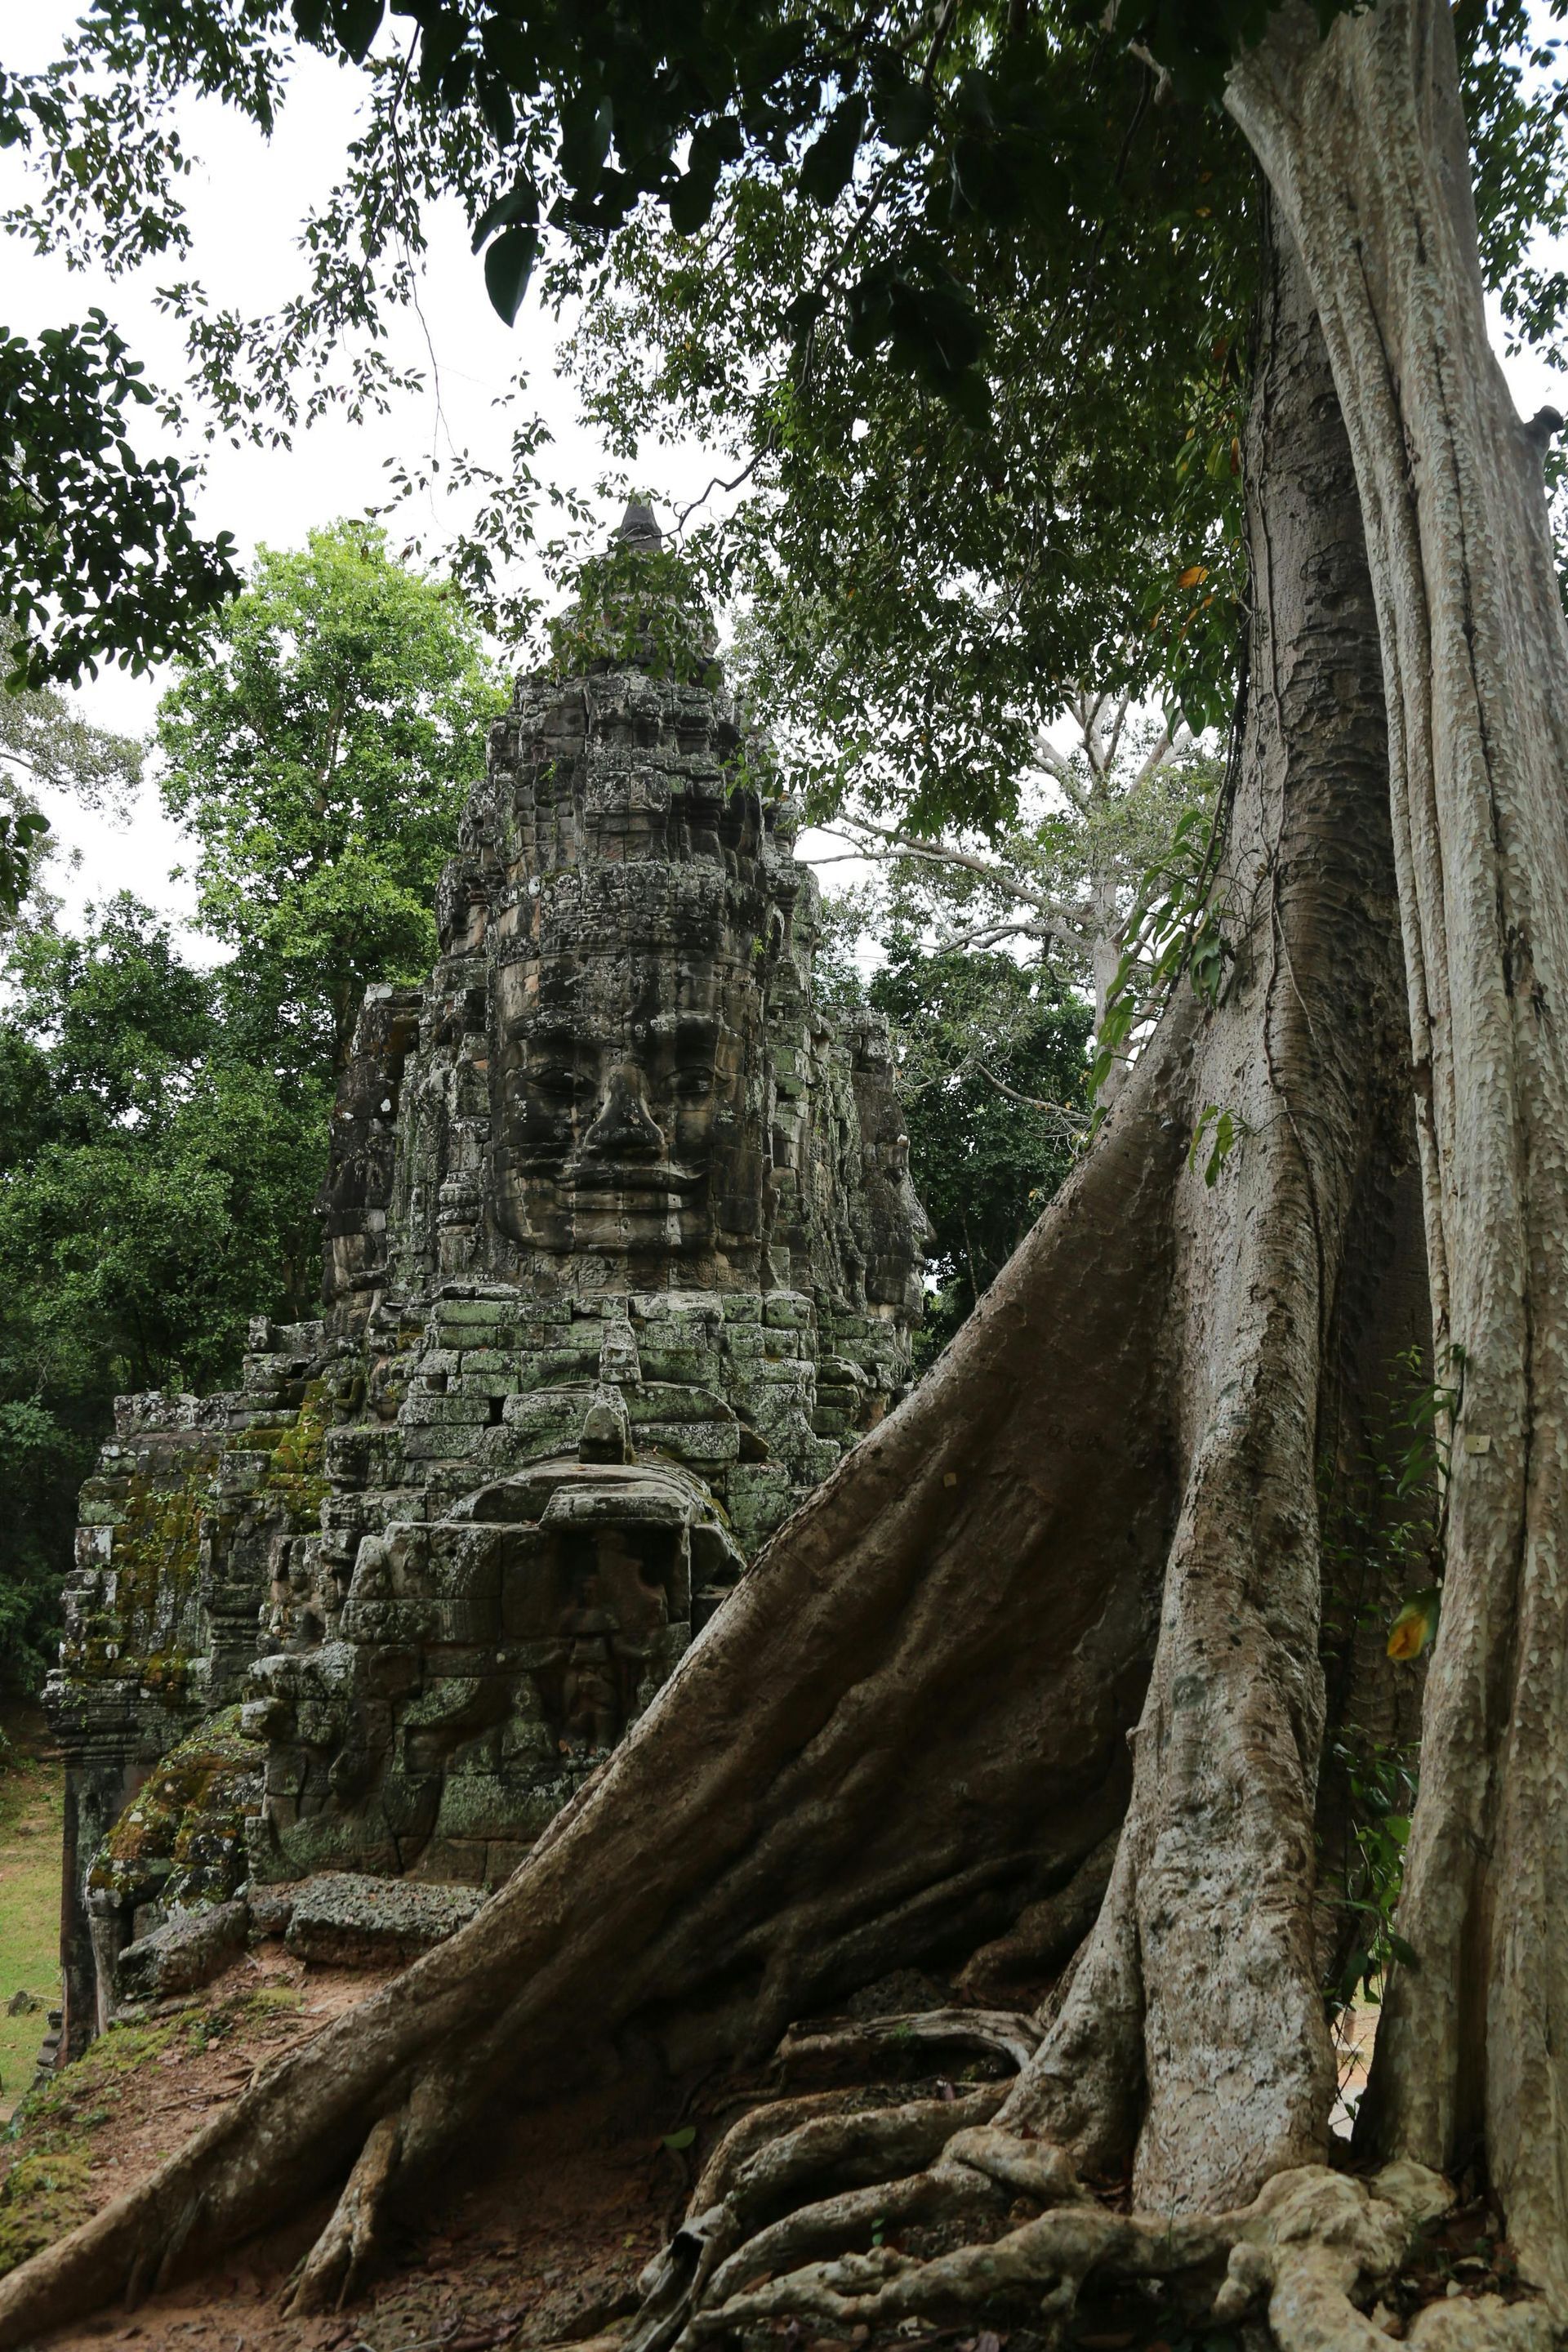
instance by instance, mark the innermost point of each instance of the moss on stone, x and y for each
(155, 1558)
(182, 1837)
(298, 1472)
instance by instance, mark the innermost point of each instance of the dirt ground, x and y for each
(545, 2248)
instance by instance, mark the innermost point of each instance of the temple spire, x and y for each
(638, 528)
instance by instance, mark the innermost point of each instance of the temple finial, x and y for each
(638, 528)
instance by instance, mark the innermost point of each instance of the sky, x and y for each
(245, 198)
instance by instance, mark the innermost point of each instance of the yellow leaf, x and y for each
(1414, 1627)
(1193, 574)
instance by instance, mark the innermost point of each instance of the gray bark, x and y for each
(1193, 2033)
(1363, 140)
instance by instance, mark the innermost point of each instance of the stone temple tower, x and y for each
(620, 1255)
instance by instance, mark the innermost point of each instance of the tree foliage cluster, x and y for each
(319, 756)
(155, 1188)
(992, 1073)
(162, 1125)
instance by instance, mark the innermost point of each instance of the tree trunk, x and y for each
(1363, 140)
(912, 1720)
(1192, 2036)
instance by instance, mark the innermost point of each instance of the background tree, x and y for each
(155, 1188)
(993, 1077)
(46, 744)
(319, 754)
(1064, 880)
(163, 1129)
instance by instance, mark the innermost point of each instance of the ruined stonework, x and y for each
(620, 1255)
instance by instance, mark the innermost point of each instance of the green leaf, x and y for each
(509, 266)
(356, 23)
(905, 112)
(829, 162)
(520, 205)
(680, 2139)
(586, 130)
(692, 199)
(805, 311)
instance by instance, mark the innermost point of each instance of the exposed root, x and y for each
(340, 2254)
(1040, 2265)
(1302, 2254)
(762, 2167)
(854, 2150)
(1045, 1935)
(834, 2222)
(1487, 2324)
(758, 2129)
(871, 2042)
(1298, 2251)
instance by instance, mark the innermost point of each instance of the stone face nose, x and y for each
(623, 1128)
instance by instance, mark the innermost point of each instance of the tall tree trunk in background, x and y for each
(1363, 142)
(911, 1719)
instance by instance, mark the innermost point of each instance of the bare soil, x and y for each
(544, 2248)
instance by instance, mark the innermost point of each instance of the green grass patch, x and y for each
(32, 1802)
(41, 2198)
(48, 2186)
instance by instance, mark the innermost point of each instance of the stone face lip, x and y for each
(347, 1919)
(187, 1951)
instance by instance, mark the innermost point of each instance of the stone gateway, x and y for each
(621, 1256)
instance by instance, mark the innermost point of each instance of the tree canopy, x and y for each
(962, 290)
(319, 752)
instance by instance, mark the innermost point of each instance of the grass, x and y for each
(49, 2187)
(32, 1795)
(77, 2122)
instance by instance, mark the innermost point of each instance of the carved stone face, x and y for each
(621, 1125)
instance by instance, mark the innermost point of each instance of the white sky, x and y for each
(246, 197)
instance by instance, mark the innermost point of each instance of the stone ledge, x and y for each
(189, 1950)
(347, 1919)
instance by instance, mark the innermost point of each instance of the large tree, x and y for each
(875, 1754)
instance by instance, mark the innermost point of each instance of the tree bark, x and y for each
(1192, 2034)
(1363, 140)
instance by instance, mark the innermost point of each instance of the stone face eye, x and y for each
(557, 1080)
(693, 1085)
